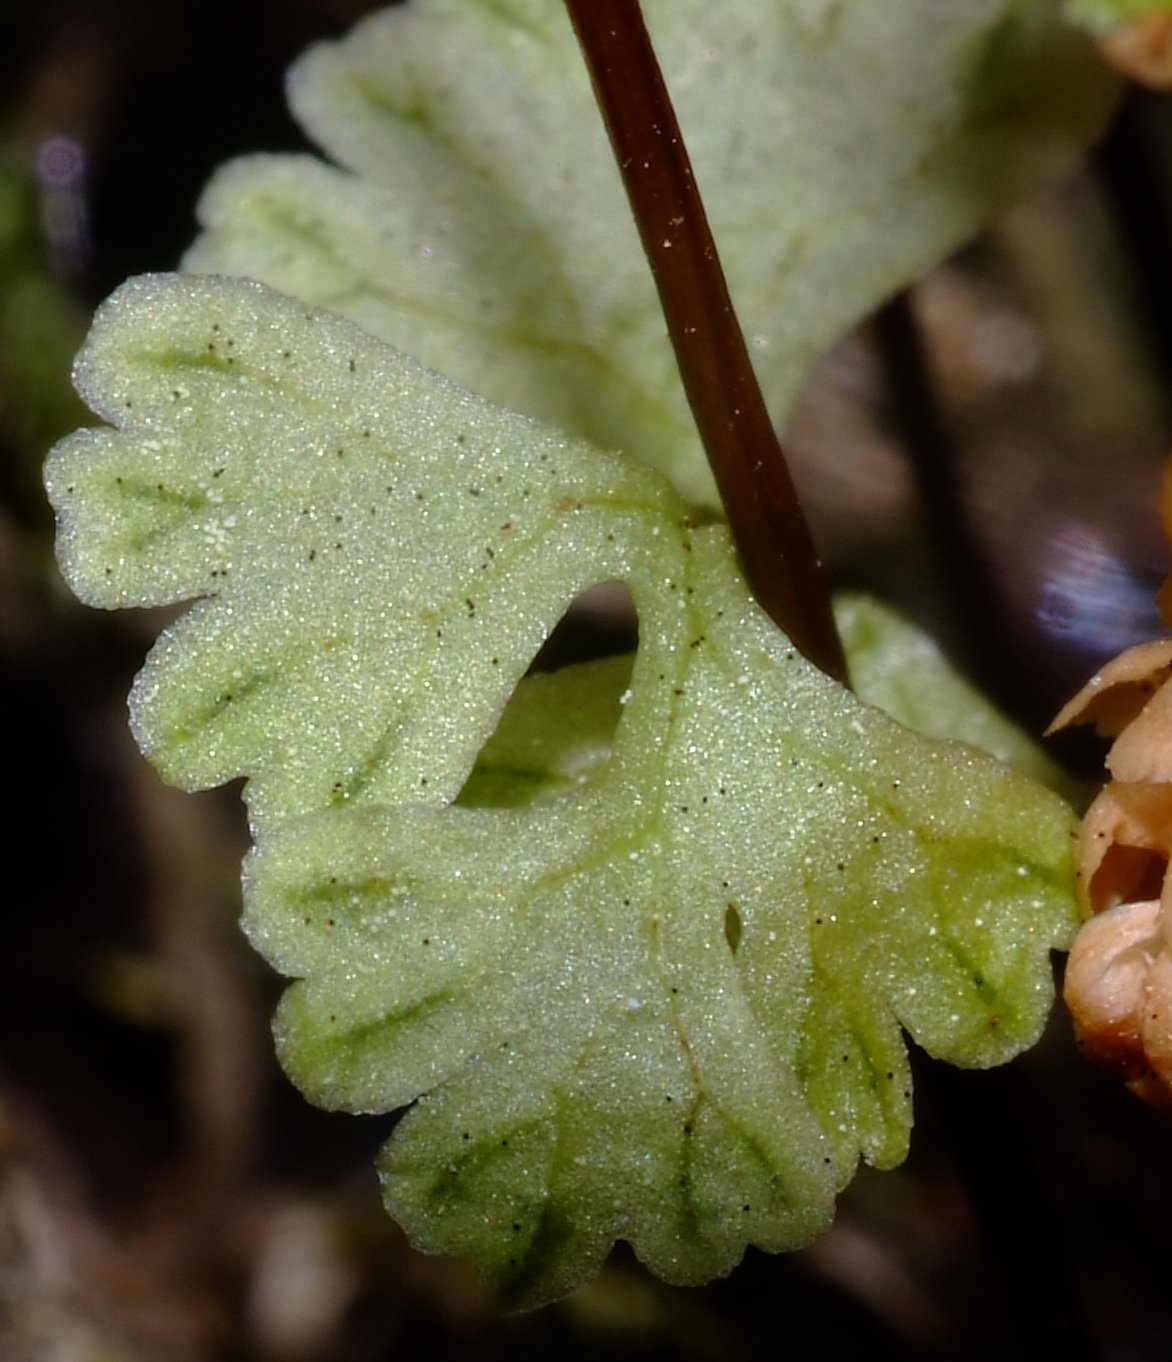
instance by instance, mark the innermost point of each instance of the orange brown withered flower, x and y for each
(1119, 975)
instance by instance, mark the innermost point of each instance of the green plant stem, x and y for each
(772, 536)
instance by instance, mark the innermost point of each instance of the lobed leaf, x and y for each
(473, 217)
(649, 979)
(665, 1004)
(378, 555)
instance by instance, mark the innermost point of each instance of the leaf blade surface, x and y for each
(476, 221)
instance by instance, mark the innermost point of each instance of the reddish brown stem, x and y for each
(770, 531)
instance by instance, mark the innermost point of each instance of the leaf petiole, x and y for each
(770, 531)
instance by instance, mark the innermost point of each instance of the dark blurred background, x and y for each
(986, 453)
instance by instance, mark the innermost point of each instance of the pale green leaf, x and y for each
(556, 730)
(902, 671)
(661, 996)
(379, 554)
(555, 733)
(666, 1004)
(476, 220)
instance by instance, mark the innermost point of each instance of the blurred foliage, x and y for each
(41, 326)
(1103, 14)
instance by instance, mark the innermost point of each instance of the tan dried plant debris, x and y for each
(1119, 975)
